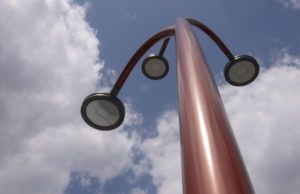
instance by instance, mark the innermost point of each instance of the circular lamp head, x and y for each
(102, 111)
(155, 67)
(241, 71)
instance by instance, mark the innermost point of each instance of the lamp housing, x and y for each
(155, 67)
(241, 71)
(103, 111)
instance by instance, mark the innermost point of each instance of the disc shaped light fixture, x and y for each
(155, 67)
(102, 111)
(241, 71)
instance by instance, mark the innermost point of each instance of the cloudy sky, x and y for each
(53, 53)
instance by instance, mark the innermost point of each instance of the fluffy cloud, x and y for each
(163, 153)
(291, 3)
(264, 117)
(137, 191)
(48, 64)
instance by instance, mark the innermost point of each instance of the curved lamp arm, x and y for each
(213, 36)
(165, 33)
(164, 46)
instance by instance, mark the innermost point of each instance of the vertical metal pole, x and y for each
(211, 162)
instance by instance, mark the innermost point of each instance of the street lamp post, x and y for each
(210, 157)
(211, 161)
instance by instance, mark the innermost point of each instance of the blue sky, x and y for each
(53, 53)
(259, 28)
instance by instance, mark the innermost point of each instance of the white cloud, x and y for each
(295, 4)
(138, 191)
(163, 153)
(264, 117)
(48, 64)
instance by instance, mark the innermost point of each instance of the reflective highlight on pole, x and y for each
(211, 162)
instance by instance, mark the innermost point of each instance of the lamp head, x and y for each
(155, 67)
(102, 111)
(241, 71)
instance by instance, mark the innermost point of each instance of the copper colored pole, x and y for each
(211, 161)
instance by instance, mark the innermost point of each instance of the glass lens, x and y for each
(155, 67)
(242, 72)
(103, 112)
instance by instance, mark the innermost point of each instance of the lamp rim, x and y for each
(103, 96)
(238, 59)
(150, 57)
